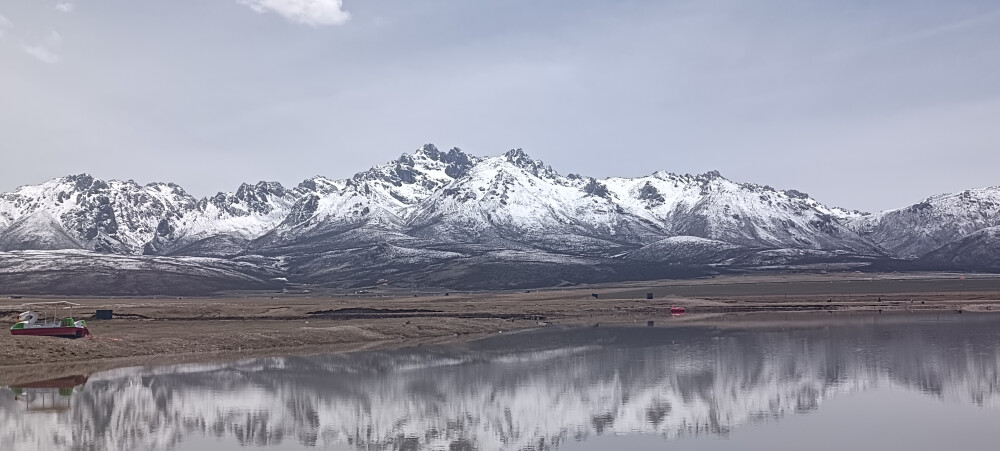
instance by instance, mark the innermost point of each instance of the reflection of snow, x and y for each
(597, 381)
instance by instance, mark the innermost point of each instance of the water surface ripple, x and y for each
(546, 389)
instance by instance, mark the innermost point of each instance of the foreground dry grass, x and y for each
(157, 331)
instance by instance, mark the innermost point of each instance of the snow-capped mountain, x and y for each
(225, 223)
(454, 210)
(977, 250)
(711, 206)
(936, 221)
(516, 200)
(369, 207)
(113, 217)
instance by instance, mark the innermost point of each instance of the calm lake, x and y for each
(913, 382)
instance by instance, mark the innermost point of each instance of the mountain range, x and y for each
(455, 220)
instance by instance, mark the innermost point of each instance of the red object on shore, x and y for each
(71, 332)
(675, 310)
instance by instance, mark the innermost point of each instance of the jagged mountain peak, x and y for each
(713, 182)
(519, 158)
(430, 151)
(80, 187)
(795, 194)
(704, 180)
(261, 198)
(710, 175)
(507, 201)
(321, 185)
(109, 216)
(427, 166)
(260, 189)
(89, 183)
(988, 198)
(84, 182)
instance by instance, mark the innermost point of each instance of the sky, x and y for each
(863, 105)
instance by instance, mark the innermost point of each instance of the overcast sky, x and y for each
(862, 104)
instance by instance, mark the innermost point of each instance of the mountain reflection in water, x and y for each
(531, 390)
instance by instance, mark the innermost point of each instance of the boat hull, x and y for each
(69, 332)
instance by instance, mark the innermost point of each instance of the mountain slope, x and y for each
(978, 250)
(438, 218)
(713, 207)
(936, 221)
(512, 200)
(37, 230)
(374, 204)
(224, 224)
(428, 198)
(115, 217)
(82, 272)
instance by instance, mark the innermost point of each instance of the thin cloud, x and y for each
(64, 7)
(45, 50)
(41, 53)
(4, 24)
(917, 35)
(310, 12)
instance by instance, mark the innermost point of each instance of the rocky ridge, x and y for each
(453, 219)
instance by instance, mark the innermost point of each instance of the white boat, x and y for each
(31, 323)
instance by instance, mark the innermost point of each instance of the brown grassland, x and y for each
(158, 330)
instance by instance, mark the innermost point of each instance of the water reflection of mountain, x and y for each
(525, 391)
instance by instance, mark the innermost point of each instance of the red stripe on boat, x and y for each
(52, 331)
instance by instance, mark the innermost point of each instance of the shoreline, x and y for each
(42, 370)
(151, 332)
